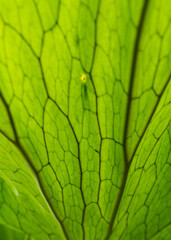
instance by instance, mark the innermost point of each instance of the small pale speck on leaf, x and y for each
(83, 78)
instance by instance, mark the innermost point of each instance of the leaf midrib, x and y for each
(132, 77)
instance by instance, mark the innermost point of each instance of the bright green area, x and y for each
(85, 160)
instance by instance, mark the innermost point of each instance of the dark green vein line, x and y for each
(91, 78)
(31, 49)
(10, 117)
(25, 155)
(141, 175)
(20, 35)
(151, 116)
(160, 230)
(79, 161)
(95, 34)
(132, 76)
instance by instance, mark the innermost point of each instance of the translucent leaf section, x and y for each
(85, 135)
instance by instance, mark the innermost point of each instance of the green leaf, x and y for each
(85, 133)
(9, 234)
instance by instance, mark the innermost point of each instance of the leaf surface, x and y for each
(85, 132)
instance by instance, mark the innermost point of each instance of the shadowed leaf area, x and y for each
(85, 111)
